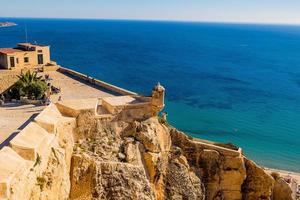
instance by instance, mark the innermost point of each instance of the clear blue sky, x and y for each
(262, 11)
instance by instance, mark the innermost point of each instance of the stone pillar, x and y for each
(158, 99)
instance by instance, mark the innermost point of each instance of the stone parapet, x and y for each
(27, 157)
(31, 141)
(97, 82)
(179, 137)
(49, 118)
(73, 108)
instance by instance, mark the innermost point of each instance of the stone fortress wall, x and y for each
(27, 156)
(23, 162)
(37, 163)
(97, 82)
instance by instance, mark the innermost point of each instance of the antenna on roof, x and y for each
(26, 37)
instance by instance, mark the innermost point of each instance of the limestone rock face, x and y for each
(148, 160)
(282, 190)
(124, 181)
(54, 182)
(82, 173)
(92, 179)
(48, 179)
(91, 157)
(182, 182)
(222, 171)
(146, 169)
(151, 134)
(258, 184)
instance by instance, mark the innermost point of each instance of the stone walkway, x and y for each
(74, 88)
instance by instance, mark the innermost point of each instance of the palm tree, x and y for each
(29, 77)
(30, 85)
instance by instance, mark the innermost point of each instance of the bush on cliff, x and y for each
(29, 85)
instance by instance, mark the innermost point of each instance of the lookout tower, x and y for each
(158, 99)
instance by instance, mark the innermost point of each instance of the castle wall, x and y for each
(37, 162)
(97, 82)
(48, 140)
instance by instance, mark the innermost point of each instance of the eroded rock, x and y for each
(258, 184)
(281, 190)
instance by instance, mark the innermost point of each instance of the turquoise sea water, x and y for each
(225, 82)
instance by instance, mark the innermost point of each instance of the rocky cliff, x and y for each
(77, 154)
(150, 160)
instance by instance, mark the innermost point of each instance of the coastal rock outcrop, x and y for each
(181, 181)
(281, 190)
(258, 184)
(93, 179)
(163, 162)
(221, 170)
(90, 157)
(53, 182)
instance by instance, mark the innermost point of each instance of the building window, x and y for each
(40, 51)
(26, 60)
(17, 60)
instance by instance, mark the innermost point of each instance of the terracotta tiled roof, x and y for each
(9, 50)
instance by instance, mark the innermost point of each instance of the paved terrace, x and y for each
(14, 117)
(75, 88)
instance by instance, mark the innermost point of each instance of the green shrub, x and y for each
(38, 160)
(41, 181)
(161, 120)
(29, 85)
(36, 90)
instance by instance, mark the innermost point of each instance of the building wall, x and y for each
(20, 58)
(46, 53)
(33, 57)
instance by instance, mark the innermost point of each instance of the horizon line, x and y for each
(161, 20)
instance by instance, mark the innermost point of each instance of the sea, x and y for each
(231, 83)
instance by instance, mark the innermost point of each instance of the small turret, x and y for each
(158, 99)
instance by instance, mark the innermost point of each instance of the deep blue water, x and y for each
(225, 82)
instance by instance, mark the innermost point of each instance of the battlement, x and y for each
(31, 146)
